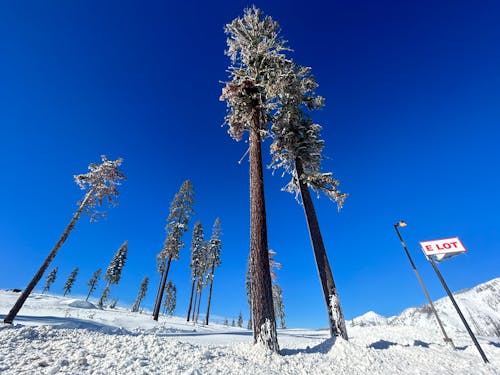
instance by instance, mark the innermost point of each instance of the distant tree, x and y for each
(170, 298)
(70, 281)
(214, 251)
(279, 308)
(92, 283)
(258, 62)
(51, 277)
(181, 210)
(197, 244)
(202, 278)
(226, 323)
(297, 148)
(104, 296)
(114, 271)
(100, 183)
(240, 320)
(142, 293)
(233, 324)
(248, 287)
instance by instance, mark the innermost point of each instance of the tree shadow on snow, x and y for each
(382, 344)
(496, 344)
(321, 348)
(420, 343)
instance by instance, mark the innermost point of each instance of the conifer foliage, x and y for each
(257, 63)
(49, 280)
(114, 271)
(214, 249)
(240, 320)
(71, 280)
(197, 249)
(170, 298)
(101, 186)
(140, 296)
(92, 283)
(181, 210)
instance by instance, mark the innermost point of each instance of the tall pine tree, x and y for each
(257, 62)
(71, 280)
(49, 280)
(92, 283)
(214, 251)
(202, 278)
(114, 271)
(181, 210)
(197, 243)
(297, 148)
(140, 296)
(100, 183)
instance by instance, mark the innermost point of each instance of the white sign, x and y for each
(442, 249)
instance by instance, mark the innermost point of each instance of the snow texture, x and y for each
(53, 336)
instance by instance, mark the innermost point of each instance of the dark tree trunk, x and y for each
(199, 304)
(9, 318)
(159, 284)
(210, 294)
(156, 312)
(90, 291)
(264, 323)
(196, 301)
(191, 300)
(335, 315)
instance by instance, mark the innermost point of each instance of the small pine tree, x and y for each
(233, 324)
(92, 283)
(70, 281)
(197, 243)
(240, 320)
(114, 271)
(170, 298)
(51, 277)
(140, 296)
(104, 296)
(213, 256)
(226, 323)
(112, 305)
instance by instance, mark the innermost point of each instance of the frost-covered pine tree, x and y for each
(71, 280)
(248, 287)
(113, 303)
(140, 296)
(257, 64)
(297, 148)
(101, 186)
(197, 243)
(240, 320)
(181, 210)
(202, 277)
(233, 323)
(114, 271)
(226, 323)
(170, 298)
(214, 251)
(279, 307)
(49, 280)
(92, 283)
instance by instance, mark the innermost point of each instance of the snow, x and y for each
(57, 335)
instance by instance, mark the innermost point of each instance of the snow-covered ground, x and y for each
(56, 335)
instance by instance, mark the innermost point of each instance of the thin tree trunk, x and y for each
(90, 291)
(335, 315)
(27, 291)
(199, 304)
(264, 324)
(160, 297)
(196, 302)
(159, 284)
(210, 294)
(191, 300)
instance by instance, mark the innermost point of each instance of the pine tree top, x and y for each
(101, 182)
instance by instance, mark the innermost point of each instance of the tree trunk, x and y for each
(162, 290)
(159, 284)
(264, 323)
(90, 291)
(199, 304)
(191, 300)
(335, 315)
(210, 294)
(27, 291)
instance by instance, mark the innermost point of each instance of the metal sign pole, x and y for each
(446, 338)
(480, 350)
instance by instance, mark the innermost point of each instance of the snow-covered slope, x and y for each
(56, 335)
(480, 306)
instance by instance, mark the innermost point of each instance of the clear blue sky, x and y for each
(411, 128)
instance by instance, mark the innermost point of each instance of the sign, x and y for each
(443, 249)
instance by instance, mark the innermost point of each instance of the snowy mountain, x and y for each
(480, 306)
(57, 335)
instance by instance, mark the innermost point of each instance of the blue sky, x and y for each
(411, 126)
